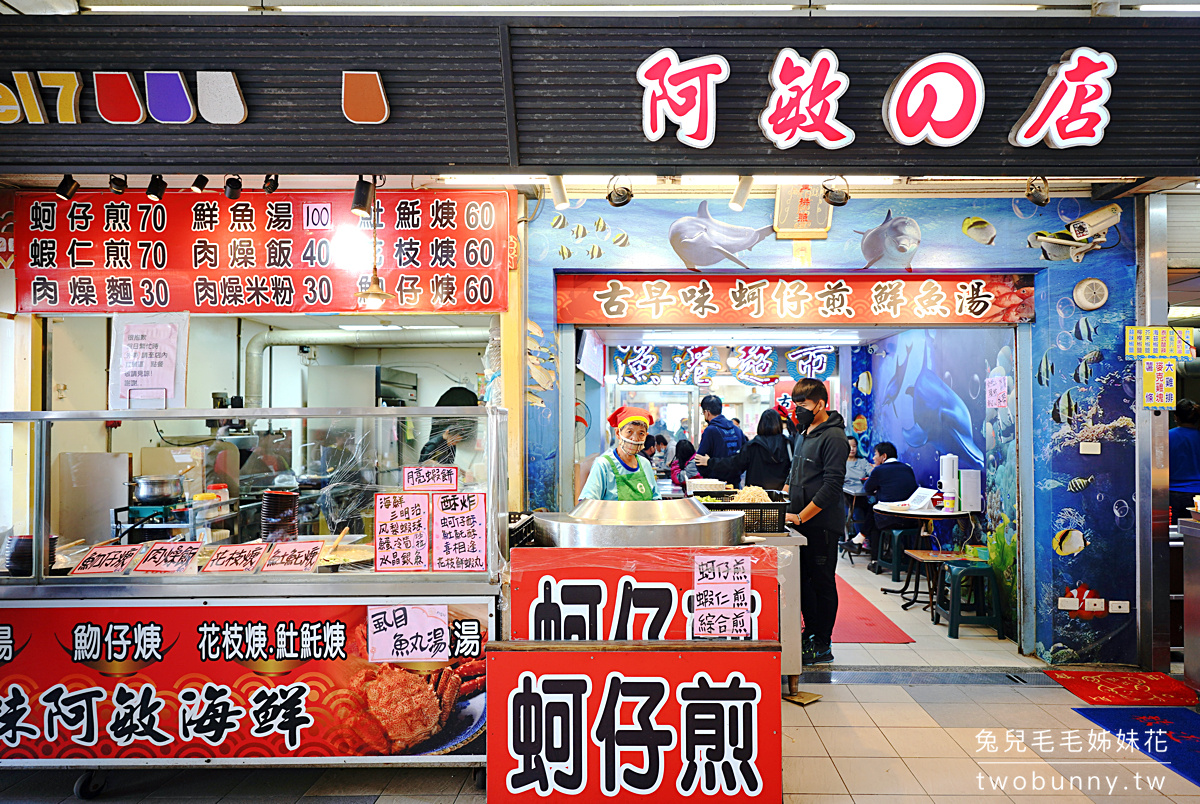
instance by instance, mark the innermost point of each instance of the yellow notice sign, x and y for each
(1158, 342)
(1158, 383)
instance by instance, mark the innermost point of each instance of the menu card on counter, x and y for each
(401, 532)
(460, 532)
(112, 559)
(236, 558)
(721, 590)
(408, 633)
(429, 478)
(293, 556)
(167, 558)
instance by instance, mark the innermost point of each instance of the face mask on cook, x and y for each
(630, 445)
(804, 417)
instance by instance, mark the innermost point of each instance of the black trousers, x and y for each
(818, 584)
(1180, 502)
(877, 522)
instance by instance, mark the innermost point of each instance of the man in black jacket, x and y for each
(890, 481)
(720, 439)
(816, 506)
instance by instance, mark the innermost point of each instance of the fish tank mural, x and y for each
(1084, 392)
(925, 391)
(886, 235)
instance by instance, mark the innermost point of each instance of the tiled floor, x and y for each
(932, 645)
(859, 744)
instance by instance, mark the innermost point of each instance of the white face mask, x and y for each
(630, 444)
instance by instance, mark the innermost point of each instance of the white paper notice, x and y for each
(148, 353)
(721, 589)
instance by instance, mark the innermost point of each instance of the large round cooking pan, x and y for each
(679, 522)
(157, 489)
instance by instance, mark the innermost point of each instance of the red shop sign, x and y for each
(437, 251)
(616, 593)
(247, 680)
(825, 300)
(597, 726)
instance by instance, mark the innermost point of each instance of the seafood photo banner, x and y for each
(444, 251)
(599, 725)
(268, 681)
(673, 299)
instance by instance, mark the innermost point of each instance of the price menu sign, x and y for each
(435, 251)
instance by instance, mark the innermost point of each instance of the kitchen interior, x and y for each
(139, 480)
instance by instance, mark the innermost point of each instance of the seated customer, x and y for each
(684, 464)
(857, 470)
(890, 481)
(766, 460)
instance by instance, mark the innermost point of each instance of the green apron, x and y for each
(631, 485)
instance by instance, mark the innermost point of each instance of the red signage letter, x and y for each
(684, 93)
(805, 101)
(939, 100)
(1069, 107)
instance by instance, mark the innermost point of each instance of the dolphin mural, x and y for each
(703, 240)
(897, 380)
(896, 240)
(941, 419)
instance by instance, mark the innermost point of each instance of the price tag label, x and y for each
(721, 585)
(401, 532)
(236, 558)
(318, 217)
(167, 558)
(109, 560)
(430, 478)
(408, 633)
(293, 557)
(460, 532)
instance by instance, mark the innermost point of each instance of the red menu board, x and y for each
(616, 593)
(437, 251)
(239, 681)
(594, 726)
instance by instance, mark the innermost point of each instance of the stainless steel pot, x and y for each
(681, 522)
(152, 489)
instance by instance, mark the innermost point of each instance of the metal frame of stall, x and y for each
(372, 587)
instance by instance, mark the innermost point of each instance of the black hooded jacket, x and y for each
(818, 472)
(766, 460)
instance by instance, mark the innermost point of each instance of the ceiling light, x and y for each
(169, 9)
(601, 180)
(156, 188)
(369, 327)
(117, 184)
(476, 180)
(233, 187)
(1188, 8)
(982, 8)
(1183, 312)
(364, 197)
(619, 194)
(694, 180)
(271, 183)
(797, 337)
(667, 10)
(738, 202)
(200, 182)
(834, 197)
(857, 181)
(1037, 190)
(558, 192)
(67, 187)
(432, 326)
(374, 297)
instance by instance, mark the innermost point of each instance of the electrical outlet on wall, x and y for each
(1093, 604)
(1068, 604)
(1118, 607)
(1089, 447)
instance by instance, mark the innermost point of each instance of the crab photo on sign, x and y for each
(422, 706)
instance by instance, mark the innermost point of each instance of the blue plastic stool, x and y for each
(894, 540)
(985, 592)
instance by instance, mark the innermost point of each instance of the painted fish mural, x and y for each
(702, 240)
(897, 381)
(979, 230)
(1069, 542)
(621, 240)
(1085, 330)
(941, 418)
(1045, 369)
(894, 240)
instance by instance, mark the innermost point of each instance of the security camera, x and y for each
(1087, 233)
(1094, 224)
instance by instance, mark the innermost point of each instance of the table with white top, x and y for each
(926, 514)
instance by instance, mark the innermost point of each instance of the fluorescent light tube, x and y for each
(905, 8)
(1190, 8)
(482, 178)
(1183, 312)
(169, 9)
(368, 327)
(853, 181)
(539, 11)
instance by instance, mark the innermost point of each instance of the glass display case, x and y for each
(237, 497)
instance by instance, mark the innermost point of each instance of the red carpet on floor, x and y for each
(859, 621)
(1125, 689)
